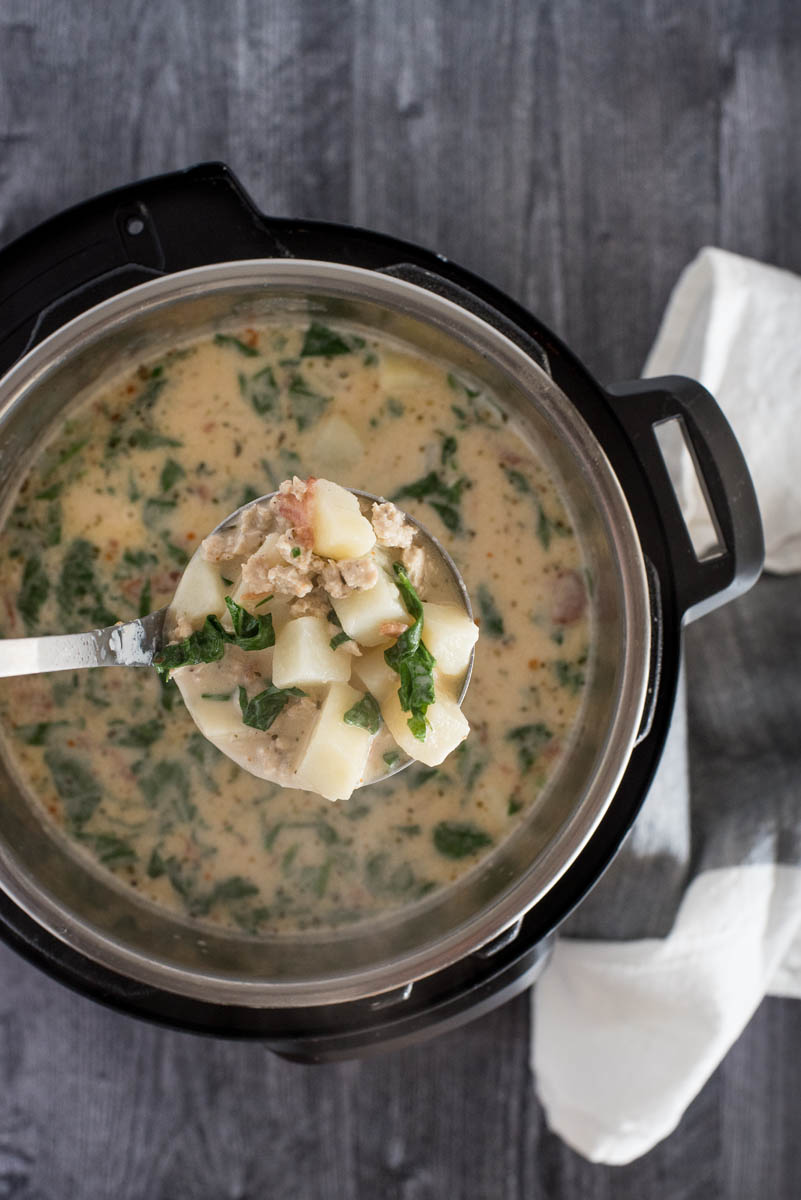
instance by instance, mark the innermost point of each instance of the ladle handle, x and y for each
(133, 644)
(725, 572)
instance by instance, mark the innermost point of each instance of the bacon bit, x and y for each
(296, 511)
(510, 459)
(569, 598)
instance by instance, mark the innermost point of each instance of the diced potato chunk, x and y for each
(363, 613)
(340, 530)
(303, 655)
(335, 758)
(447, 727)
(373, 672)
(337, 447)
(450, 635)
(401, 373)
(200, 592)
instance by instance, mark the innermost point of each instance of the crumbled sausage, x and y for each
(294, 552)
(332, 581)
(315, 604)
(179, 628)
(390, 526)
(291, 507)
(359, 573)
(288, 581)
(414, 560)
(349, 575)
(255, 571)
(241, 539)
(569, 598)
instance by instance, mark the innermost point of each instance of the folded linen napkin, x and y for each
(699, 917)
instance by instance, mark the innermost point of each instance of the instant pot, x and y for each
(154, 262)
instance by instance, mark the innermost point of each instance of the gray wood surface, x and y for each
(577, 154)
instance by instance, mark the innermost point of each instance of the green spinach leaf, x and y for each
(491, 619)
(171, 473)
(529, 741)
(306, 405)
(34, 590)
(140, 737)
(166, 788)
(365, 713)
(261, 390)
(261, 711)
(77, 583)
(412, 660)
(458, 839)
(320, 340)
(444, 498)
(110, 849)
(251, 632)
(206, 644)
(150, 439)
(76, 785)
(226, 339)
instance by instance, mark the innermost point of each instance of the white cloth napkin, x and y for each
(627, 1032)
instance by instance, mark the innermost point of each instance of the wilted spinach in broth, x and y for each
(107, 518)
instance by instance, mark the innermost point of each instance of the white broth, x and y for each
(104, 523)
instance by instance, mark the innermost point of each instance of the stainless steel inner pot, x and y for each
(107, 922)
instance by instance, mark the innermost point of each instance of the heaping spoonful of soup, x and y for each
(320, 637)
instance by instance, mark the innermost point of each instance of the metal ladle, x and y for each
(137, 643)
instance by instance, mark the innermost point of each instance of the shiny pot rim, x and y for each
(425, 305)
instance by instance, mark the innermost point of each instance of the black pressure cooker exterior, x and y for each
(190, 218)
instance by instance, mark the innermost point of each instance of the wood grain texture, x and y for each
(577, 154)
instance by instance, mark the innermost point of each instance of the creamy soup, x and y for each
(107, 518)
(310, 642)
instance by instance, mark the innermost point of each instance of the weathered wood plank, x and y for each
(578, 155)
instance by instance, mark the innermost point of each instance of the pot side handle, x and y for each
(124, 237)
(707, 582)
